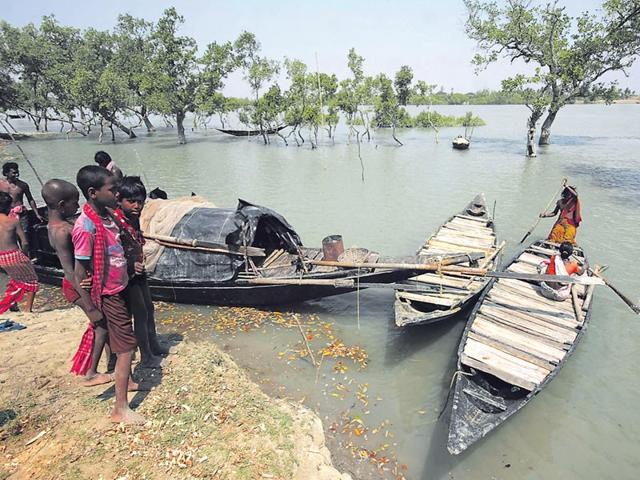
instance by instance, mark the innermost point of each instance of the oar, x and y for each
(555, 195)
(623, 297)
(210, 246)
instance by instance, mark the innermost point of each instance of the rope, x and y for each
(453, 377)
(358, 297)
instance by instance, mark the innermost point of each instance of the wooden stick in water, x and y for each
(304, 337)
(23, 154)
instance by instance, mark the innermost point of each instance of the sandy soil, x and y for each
(206, 419)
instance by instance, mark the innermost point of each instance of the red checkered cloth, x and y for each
(99, 247)
(82, 358)
(23, 277)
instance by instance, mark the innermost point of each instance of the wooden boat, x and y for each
(515, 342)
(444, 295)
(461, 143)
(191, 275)
(251, 133)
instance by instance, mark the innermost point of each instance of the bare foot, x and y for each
(98, 379)
(133, 386)
(127, 416)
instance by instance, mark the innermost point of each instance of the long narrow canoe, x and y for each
(250, 133)
(444, 295)
(514, 344)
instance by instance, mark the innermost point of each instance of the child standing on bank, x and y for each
(97, 249)
(61, 198)
(22, 277)
(131, 199)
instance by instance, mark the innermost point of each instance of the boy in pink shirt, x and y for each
(97, 250)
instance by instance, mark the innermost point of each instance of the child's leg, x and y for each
(99, 342)
(123, 343)
(156, 348)
(29, 301)
(136, 303)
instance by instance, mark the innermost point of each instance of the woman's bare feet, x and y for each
(98, 379)
(127, 416)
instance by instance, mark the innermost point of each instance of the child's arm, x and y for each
(22, 238)
(61, 239)
(81, 272)
(32, 202)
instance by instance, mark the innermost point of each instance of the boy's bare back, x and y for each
(8, 233)
(59, 233)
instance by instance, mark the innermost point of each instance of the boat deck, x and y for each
(517, 334)
(445, 294)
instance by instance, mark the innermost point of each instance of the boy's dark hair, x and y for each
(5, 203)
(91, 176)
(132, 187)
(9, 166)
(102, 157)
(566, 250)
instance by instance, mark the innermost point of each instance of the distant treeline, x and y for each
(90, 80)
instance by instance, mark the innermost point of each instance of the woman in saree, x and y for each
(569, 218)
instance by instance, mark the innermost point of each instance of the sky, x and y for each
(427, 35)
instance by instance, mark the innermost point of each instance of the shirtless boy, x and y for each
(18, 190)
(61, 198)
(97, 249)
(22, 277)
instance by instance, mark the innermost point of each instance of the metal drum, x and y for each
(332, 247)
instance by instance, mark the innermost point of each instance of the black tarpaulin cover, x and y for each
(248, 224)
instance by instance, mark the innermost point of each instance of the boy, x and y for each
(104, 160)
(18, 190)
(23, 278)
(97, 248)
(61, 198)
(131, 197)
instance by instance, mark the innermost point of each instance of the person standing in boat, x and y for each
(560, 265)
(18, 189)
(104, 160)
(568, 208)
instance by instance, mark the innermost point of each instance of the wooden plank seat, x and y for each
(503, 365)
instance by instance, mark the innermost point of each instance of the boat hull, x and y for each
(481, 401)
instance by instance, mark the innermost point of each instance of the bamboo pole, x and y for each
(429, 267)
(23, 154)
(526, 235)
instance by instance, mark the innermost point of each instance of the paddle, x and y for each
(175, 242)
(623, 297)
(22, 152)
(555, 195)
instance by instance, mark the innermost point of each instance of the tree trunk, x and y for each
(180, 124)
(545, 133)
(393, 134)
(147, 122)
(531, 132)
(114, 121)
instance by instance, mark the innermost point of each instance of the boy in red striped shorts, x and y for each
(22, 277)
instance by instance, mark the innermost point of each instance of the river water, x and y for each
(584, 425)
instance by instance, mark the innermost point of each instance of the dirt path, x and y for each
(206, 418)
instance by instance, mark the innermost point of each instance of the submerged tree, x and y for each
(573, 54)
(388, 112)
(402, 83)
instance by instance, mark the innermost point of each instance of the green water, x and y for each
(584, 425)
